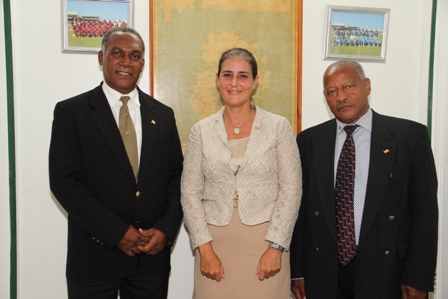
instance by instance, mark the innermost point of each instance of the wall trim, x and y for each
(431, 65)
(440, 139)
(11, 147)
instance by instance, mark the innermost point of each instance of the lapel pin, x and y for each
(257, 128)
(153, 122)
(386, 151)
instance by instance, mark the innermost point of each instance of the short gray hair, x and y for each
(105, 41)
(356, 65)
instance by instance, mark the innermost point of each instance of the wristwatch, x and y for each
(276, 246)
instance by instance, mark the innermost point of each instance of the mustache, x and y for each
(343, 105)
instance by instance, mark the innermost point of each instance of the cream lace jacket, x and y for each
(269, 180)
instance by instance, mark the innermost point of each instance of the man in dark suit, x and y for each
(392, 218)
(123, 213)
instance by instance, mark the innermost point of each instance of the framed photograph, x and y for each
(84, 22)
(187, 42)
(356, 33)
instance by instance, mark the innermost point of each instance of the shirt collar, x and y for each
(364, 122)
(113, 96)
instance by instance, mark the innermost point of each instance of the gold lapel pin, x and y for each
(153, 122)
(257, 128)
(386, 151)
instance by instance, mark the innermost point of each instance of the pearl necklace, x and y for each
(236, 130)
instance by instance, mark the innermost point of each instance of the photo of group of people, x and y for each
(358, 33)
(86, 26)
(85, 22)
(356, 36)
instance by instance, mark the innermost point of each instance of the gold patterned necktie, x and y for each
(127, 132)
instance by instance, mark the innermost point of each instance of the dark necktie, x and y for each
(127, 132)
(344, 189)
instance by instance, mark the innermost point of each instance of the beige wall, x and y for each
(43, 75)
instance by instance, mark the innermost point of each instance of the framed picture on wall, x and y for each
(84, 22)
(188, 40)
(356, 33)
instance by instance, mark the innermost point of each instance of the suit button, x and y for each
(137, 194)
(391, 218)
(317, 249)
(316, 213)
(387, 252)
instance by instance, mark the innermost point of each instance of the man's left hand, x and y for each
(408, 292)
(156, 243)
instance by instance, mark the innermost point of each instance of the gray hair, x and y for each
(242, 53)
(105, 41)
(356, 65)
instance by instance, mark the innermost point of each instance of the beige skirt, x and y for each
(239, 248)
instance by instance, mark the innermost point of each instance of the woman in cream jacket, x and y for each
(241, 190)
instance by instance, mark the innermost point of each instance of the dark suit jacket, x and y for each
(90, 175)
(398, 238)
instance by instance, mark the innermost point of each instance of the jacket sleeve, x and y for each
(287, 205)
(421, 259)
(296, 256)
(68, 185)
(169, 223)
(192, 186)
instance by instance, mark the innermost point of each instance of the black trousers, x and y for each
(138, 285)
(346, 281)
